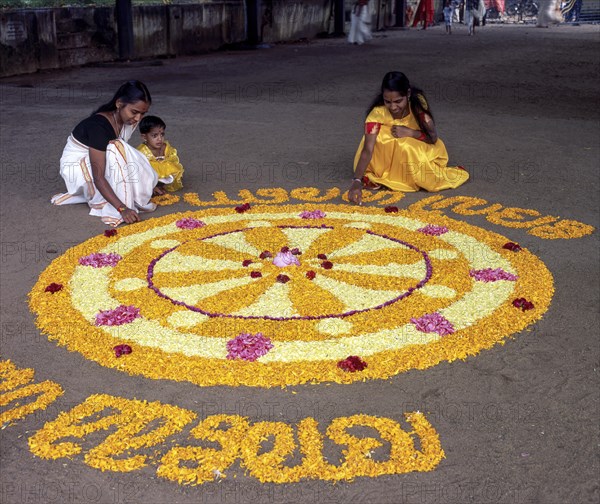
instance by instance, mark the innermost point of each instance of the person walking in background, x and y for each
(471, 7)
(448, 13)
(360, 26)
(456, 6)
(549, 12)
(425, 13)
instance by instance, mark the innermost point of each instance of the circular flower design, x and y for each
(210, 305)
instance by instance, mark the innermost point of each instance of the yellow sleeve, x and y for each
(143, 148)
(374, 121)
(171, 155)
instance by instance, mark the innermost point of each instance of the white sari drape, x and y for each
(128, 172)
(360, 25)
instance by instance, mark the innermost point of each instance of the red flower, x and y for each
(285, 249)
(242, 208)
(255, 274)
(246, 262)
(53, 287)
(122, 350)
(515, 247)
(296, 251)
(391, 209)
(352, 363)
(265, 254)
(310, 275)
(283, 278)
(327, 265)
(523, 304)
(323, 257)
(110, 232)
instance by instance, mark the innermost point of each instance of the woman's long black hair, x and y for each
(130, 92)
(397, 81)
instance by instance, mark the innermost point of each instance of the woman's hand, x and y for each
(158, 190)
(355, 192)
(130, 216)
(402, 132)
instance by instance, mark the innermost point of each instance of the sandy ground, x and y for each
(516, 105)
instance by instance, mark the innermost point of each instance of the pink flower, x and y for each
(327, 265)
(255, 274)
(314, 214)
(432, 230)
(120, 315)
(110, 232)
(523, 304)
(53, 287)
(189, 223)
(311, 275)
(122, 350)
(265, 254)
(242, 208)
(246, 262)
(352, 363)
(248, 346)
(391, 209)
(433, 322)
(515, 247)
(100, 260)
(492, 275)
(283, 259)
(283, 278)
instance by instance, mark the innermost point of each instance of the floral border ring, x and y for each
(267, 297)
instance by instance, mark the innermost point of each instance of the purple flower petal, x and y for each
(248, 346)
(120, 315)
(314, 214)
(492, 275)
(100, 260)
(189, 223)
(433, 322)
(433, 230)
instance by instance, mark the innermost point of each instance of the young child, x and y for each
(448, 12)
(162, 156)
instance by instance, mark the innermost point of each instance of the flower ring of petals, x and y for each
(207, 304)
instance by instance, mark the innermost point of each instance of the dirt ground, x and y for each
(516, 105)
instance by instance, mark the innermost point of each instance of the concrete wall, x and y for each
(35, 39)
(293, 20)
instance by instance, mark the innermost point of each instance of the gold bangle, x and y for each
(121, 209)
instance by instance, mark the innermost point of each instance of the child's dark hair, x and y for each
(149, 122)
(130, 92)
(397, 81)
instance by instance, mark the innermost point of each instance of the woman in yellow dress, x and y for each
(162, 156)
(400, 149)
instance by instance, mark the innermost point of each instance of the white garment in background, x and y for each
(549, 12)
(360, 26)
(128, 172)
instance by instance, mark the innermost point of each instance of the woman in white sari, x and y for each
(360, 25)
(101, 169)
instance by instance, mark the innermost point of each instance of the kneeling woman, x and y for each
(101, 169)
(401, 149)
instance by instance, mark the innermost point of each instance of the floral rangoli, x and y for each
(275, 296)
